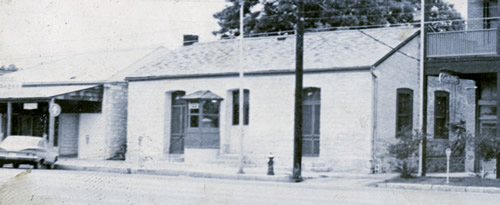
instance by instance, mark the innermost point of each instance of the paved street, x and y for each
(19, 186)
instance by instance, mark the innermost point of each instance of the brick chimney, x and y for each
(189, 39)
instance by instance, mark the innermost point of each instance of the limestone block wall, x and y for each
(398, 71)
(115, 110)
(103, 135)
(345, 117)
(461, 108)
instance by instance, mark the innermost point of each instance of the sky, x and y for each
(461, 6)
(37, 31)
(32, 32)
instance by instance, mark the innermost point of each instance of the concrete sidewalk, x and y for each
(441, 187)
(200, 170)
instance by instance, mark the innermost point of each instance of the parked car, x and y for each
(32, 150)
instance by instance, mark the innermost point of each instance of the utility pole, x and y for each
(423, 94)
(241, 91)
(299, 63)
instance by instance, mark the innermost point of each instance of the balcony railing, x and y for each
(462, 43)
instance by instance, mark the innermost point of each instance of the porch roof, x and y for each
(43, 92)
(202, 94)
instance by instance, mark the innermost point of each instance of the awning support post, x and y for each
(9, 119)
(52, 120)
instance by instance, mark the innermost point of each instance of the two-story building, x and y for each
(462, 70)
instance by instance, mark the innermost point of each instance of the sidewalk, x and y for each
(440, 187)
(198, 170)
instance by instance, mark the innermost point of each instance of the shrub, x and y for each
(405, 152)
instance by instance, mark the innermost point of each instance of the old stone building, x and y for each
(469, 62)
(182, 105)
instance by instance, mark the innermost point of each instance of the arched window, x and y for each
(404, 111)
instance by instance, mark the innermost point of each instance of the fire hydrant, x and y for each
(270, 164)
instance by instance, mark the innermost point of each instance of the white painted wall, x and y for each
(92, 142)
(398, 71)
(345, 117)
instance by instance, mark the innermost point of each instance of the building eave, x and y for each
(251, 73)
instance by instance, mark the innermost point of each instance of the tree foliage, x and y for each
(11, 67)
(279, 16)
(8, 69)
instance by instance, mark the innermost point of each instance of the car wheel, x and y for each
(37, 165)
(49, 166)
(15, 165)
(1, 164)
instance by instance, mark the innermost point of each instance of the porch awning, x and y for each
(43, 92)
(202, 94)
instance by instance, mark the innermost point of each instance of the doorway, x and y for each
(178, 123)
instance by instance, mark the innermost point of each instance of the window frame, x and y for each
(235, 107)
(313, 100)
(399, 92)
(438, 134)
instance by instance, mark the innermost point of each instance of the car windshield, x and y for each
(22, 142)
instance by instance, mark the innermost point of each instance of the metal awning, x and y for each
(42, 92)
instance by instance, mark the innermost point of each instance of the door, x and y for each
(30, 125)
(311, 122)
(178, 123)
(68, 135)
(203, 127)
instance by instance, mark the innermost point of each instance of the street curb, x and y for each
(172, 172)
(435, 187)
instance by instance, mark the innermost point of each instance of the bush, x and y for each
(405, 151)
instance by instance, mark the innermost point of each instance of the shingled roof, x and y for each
(88, 67)
(322, 50)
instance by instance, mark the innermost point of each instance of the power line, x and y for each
(385, 44)
(351, 14)
(368, 26)
(287, 32)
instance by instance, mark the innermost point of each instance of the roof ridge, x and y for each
(291, 35)
(346, 48)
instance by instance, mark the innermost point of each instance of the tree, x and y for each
(444, 17)
(274, 17)
(10, 68)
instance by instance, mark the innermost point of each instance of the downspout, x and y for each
(374, 118)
